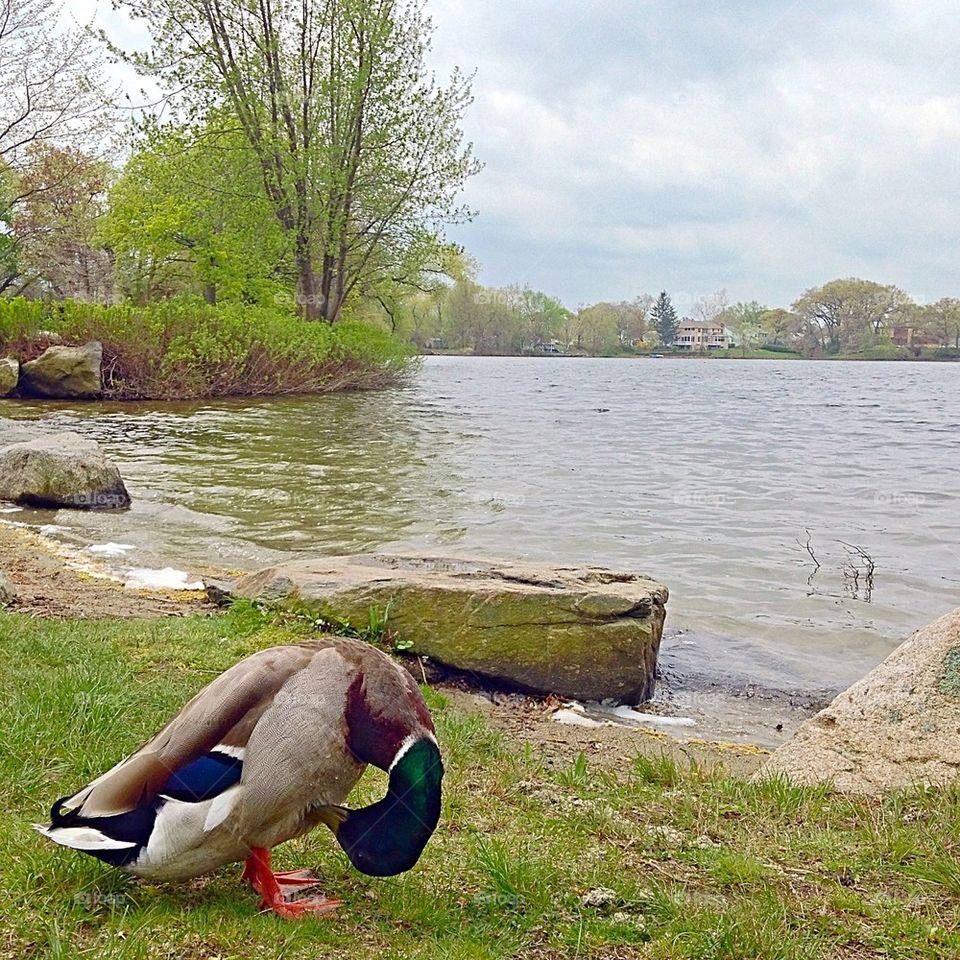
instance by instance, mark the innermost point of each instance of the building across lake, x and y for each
(700, 336)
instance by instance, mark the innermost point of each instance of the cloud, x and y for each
(763, 147)
(759, 145)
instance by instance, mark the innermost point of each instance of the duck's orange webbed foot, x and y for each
(275, 888)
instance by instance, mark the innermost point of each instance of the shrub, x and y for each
(886, 351)
(188, 350)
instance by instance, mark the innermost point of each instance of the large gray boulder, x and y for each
(60, 470)
(585, 633)
(9, 375)
(64, 373)
(898, 727)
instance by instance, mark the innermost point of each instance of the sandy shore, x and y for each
(50, 584)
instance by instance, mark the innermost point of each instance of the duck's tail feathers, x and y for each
(117, 839)
(86, 838)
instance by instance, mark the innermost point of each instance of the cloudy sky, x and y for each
(760, 146)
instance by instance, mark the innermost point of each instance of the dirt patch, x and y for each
(528, 720)
(47, 586)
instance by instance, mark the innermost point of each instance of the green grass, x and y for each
(759, 353)
(185, 350)
(697, 864)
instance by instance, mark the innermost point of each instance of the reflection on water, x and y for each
(708, 475)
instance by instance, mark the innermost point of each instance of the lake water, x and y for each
(709, 476)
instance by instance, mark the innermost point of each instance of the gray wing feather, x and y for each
(225, 711)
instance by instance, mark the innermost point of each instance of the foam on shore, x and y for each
(601, 714)
(167, 578)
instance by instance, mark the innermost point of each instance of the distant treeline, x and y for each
(848, 317)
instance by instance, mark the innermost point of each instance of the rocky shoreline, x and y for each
(887, 732)
(48, 586)
(54, 580)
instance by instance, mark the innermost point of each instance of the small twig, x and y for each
(809, 548)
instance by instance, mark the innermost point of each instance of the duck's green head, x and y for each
(388, 837)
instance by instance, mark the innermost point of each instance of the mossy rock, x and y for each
(9, 376)
(587, 633)
(60, 470)
(64, 373)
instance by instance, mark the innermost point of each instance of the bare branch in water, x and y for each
(809, 548)
(858, 560)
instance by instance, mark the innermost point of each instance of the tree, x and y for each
(51, 94)
(10, 266)
(63, 196)
(850, 312)
(663, 319)
(538, 317)
(746, 321)
(708, 309)
(468, 317)
(941, 321)
(629, 318)
(51, 87)
(781, 326)
(597, 329)
(360, 152)
(189, 215)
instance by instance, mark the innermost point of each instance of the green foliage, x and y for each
(578, 775)
(10, 268)
(747, 322)
(512, 320)
(841, 313)
(657, 771)
(942, 869)
(886, 351)
(182, 349)
(940, 322)
(357, 146)
(515, 880)
(780, 348)
(663, 319)
(517, 320)
(376, 631)
(188, 215)
(62, 196)
(609, 329)
(21, 319)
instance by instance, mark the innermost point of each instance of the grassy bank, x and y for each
(180, 350)
(534, 857)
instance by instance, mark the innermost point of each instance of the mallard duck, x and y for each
(265, 753)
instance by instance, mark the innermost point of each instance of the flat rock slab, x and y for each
(65, 373)
(896, 728)
(586, 633)
(60, 470)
